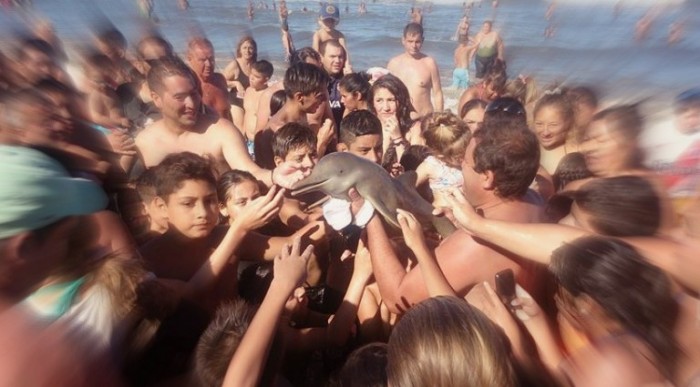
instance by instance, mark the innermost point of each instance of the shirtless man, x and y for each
(200, 57)
(499, 165)
(418, 72)
(188, 126)
(489, 48)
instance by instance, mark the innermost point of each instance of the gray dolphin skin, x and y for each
(337, 172)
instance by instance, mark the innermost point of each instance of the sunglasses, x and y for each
(505, 105)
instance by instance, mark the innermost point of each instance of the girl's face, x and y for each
(385, 104)
(474, 119)
(238, 197)
(551, 127)
(606, 150)
(350, 100)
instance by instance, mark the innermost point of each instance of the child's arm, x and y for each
(340, 324)
(316, 41)
(249, 359)
(259, 212)
(434, 278)
(422, 173)
(265, 247)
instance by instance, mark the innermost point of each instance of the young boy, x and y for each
(361, 134)
(260, 73)
(305, 87)
(156, 223)
(295, 145)
(194, 250)
(328, 18)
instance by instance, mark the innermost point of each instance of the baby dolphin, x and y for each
(336, 173)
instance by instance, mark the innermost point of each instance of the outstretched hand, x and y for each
(411, 229)
(458, 210)
(261, 210)
(286, 175)
(290, 266)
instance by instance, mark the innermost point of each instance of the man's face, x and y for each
(412, 43)
(333, 60)
(368, 147)
(201, 60)
(193, 209)
(179, 101)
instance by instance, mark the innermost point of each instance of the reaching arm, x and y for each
(434, 278)
(259, 212)
(500, 47)
(249, 360)
(437, 87)
(531, 241)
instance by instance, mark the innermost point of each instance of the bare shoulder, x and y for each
(221, 129)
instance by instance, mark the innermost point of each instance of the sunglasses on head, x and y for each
(505, 105)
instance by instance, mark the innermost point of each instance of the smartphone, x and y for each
(505, 286)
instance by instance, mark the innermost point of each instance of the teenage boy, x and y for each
(195, 250)
(260, 73)
(305, 87)
(361, 135)
(295, 145)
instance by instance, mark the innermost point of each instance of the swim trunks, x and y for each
(460, 78)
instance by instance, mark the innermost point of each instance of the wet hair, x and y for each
(292, 136)
(145, 184)
(510, 150)
(444, 341)
(220, 340)
(413, 29)
(304, 78)
(629, 289)
(277, 100)
(230, 179)
(177, 168)
(620, 206)
(447, 136)
(403, 101)
(571, 167)
(559, 101)
(168, 67)
(199, 42)
(625, 120)
(359, 123)
(356, 83)
(254, 282)
(300, 56)
(252, 42)
(412, 157)
(332, 43)
(497, 77)
(263, 67)
(365, 367)
(471, 105)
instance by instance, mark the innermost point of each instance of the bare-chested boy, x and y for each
(188, 126)
(200, 57)
(328, 18)
(305, 87)
(260, 73)
(418, 71)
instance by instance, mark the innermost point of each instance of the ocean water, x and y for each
(591, 45)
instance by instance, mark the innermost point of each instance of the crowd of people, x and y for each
(153, 230)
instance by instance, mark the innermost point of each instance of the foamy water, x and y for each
(591, 44)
